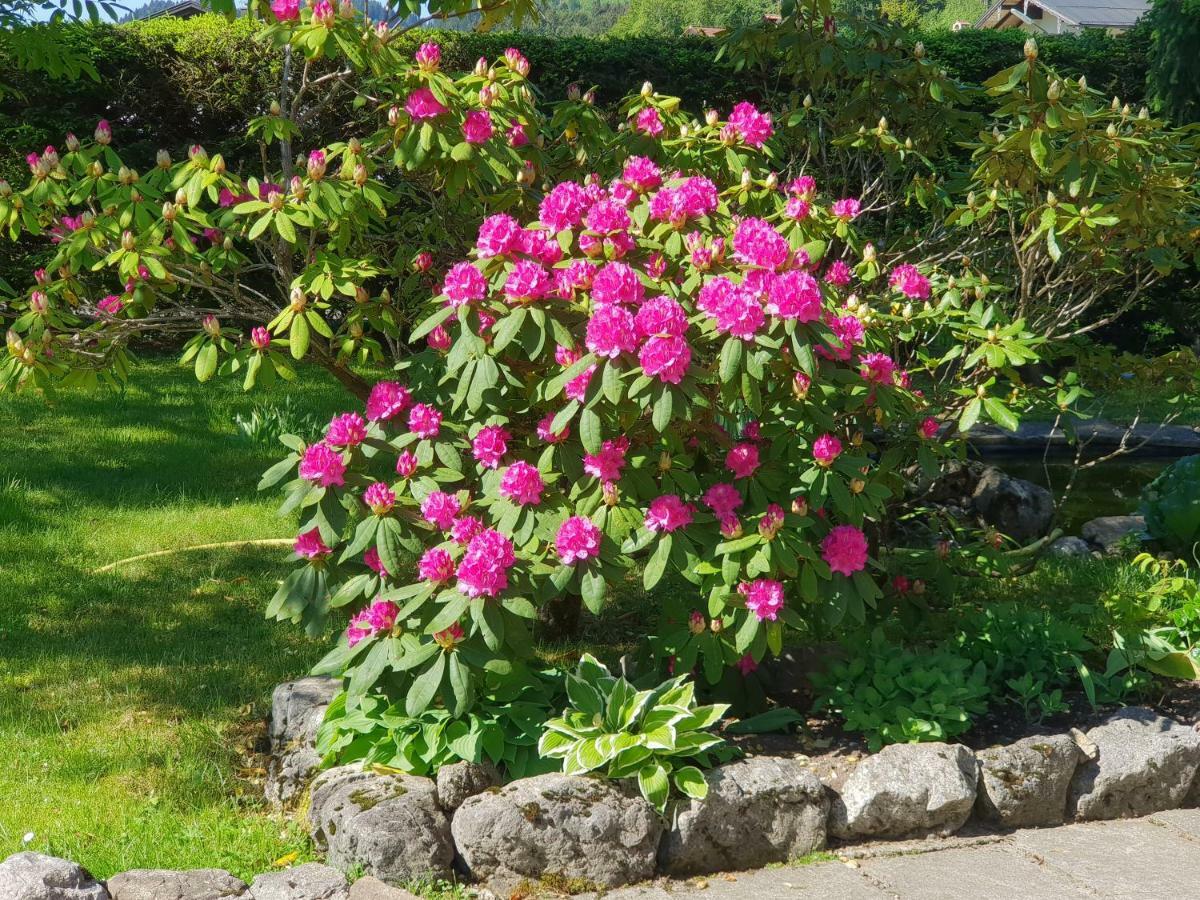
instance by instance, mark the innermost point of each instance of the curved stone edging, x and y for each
(1150, 439)
(589, 833)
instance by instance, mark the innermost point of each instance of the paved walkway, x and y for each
(1155, 858)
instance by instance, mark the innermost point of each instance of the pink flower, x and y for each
(378, 617)
(838, 273)
(795, 295)
(490, 445)
(617, 283)
(545, 433)
(666, 357)
(609, 461)
(771, 522)
(477, 126)
(563, 207)
(463, 284)
(641, 174)
(845, 549)
(465, 528)
(522, 483)
(387, 400)
(439, 339)
(736, 309)
(516, 61)
(424, 421)
(379, 498)
(746, 664)
(406, 463)
(929, 428)
(607, 217)
(323, 465)
(693, 198)
(347, 430)
(723, 499)
(428, 57)
(111, 305)
(436, 565)
(440, 509)
(286, 10)
(796, 208)
(764, 598)
(610, 331)
(877, 368)
(422, 105)
(660, 316)
(848, 332)
(310, 546)
(374, 563)
(527, 281)
(516, 135)
(753, 127)
(846, 209)
(566, 356)
(757, 243)
(576, 388)
(742, 460)
(578, 539)
(668, 513)
(826, 449)
(483, 570)
(260, 338)
(449, 636)
(498, 235)
(649, 122)
(803, 187)
(910, 282)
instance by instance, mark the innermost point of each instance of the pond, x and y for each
(1109, 489)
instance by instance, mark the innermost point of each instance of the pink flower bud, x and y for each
(316, 165)
(72, 142)
(40, 276)
(439, 339)
(211, 325)
(197, 154)
(323, 13)
(103, 133)
(428, 57)
(423, 261)
(260, 338)
(481, 66)
(516, 61)
(696, 623)
(39, 303)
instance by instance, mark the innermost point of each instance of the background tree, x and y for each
(1174, 75)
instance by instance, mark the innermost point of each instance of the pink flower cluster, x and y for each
(577, 540)
(380, 616)
(483, 570)
(754, 128)
(764, 598)
(668, 513)
(910, 282)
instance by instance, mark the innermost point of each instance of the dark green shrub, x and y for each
(1171, 505)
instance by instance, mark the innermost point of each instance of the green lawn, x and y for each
(127, 700)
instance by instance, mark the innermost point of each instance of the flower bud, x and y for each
(908, 144)
(745, 178)
(883, 126)
(356, 332)
(227, 243)
(218, 164)
(772, 182)
(39, 302)
(717, 625)
(664, 461)
(696, 623)
(316, 165)
(573, 91)
(611, 494)
(1143, 114)
(869, 253)
(5, 189)
(857, 485)
(260, 338)
(360, 294)
(1126, 111)
(275, 201)
(298, 302)
(96, 169)
(1116, 104)
(211, 325)
(808, 101)
(169, 211)
(1051, 199)
(103, 132)
(918, 586)
(126, 176)
(393, 117)
(731, 528)
(711, 117)
(197, 154)
(423, 261)
(1111, 131)
(684, 131)
(1031, 50)
(800, 506)
(360, 175)
(127, 241)
(589, 97)
(647, 89)
(487, 95)
(1083, 82)
(800, 385)
(1054, 91)
(72, 142)
(919, 50)
(481, 66)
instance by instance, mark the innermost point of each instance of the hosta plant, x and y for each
(659, 736)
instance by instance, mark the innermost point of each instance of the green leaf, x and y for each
(691, 782)
(425, 687)
(1000, 414)
(298, 337)
(731, 359)
(594, 589)
(653, 783)
(661, 417)
(657, 564)
(589, 431)
(206, 362)
(970, 414)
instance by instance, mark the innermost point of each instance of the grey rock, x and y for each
(1025, 784)
(35, 876)
(1070, 546)
(165, 884)
(758, 811)
(555, 824)
(391, 825)
(457, 782)
(297, 710)
(1018, 508)
(1145, 764)
(907, 790)
(1106, 532)
(311, 881)
(369, 888)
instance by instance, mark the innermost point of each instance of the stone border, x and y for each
(575, 833)
(1148, 439)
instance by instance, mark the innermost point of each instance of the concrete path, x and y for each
(1154, 858)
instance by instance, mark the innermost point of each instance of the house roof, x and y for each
(183, 10)
(1084, 13)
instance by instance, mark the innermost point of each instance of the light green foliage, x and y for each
(892, 694)
(1171, 507)
(669, 18)
(659, 736)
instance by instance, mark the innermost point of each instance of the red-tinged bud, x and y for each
(481, 66)
(197, 154)
(169, 211)
(423, 261)
(360, 175)
(589, 97)
(611, 494)
(918, 586)
(717, 625)
(800, 506)
(573, 92)
(72, 142)
(260, 338)
(103, 132)
(360, 294)
(39, 302)
(696, 624)
(316, 165)
(211, 325)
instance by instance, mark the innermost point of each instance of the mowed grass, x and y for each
(129, 700)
